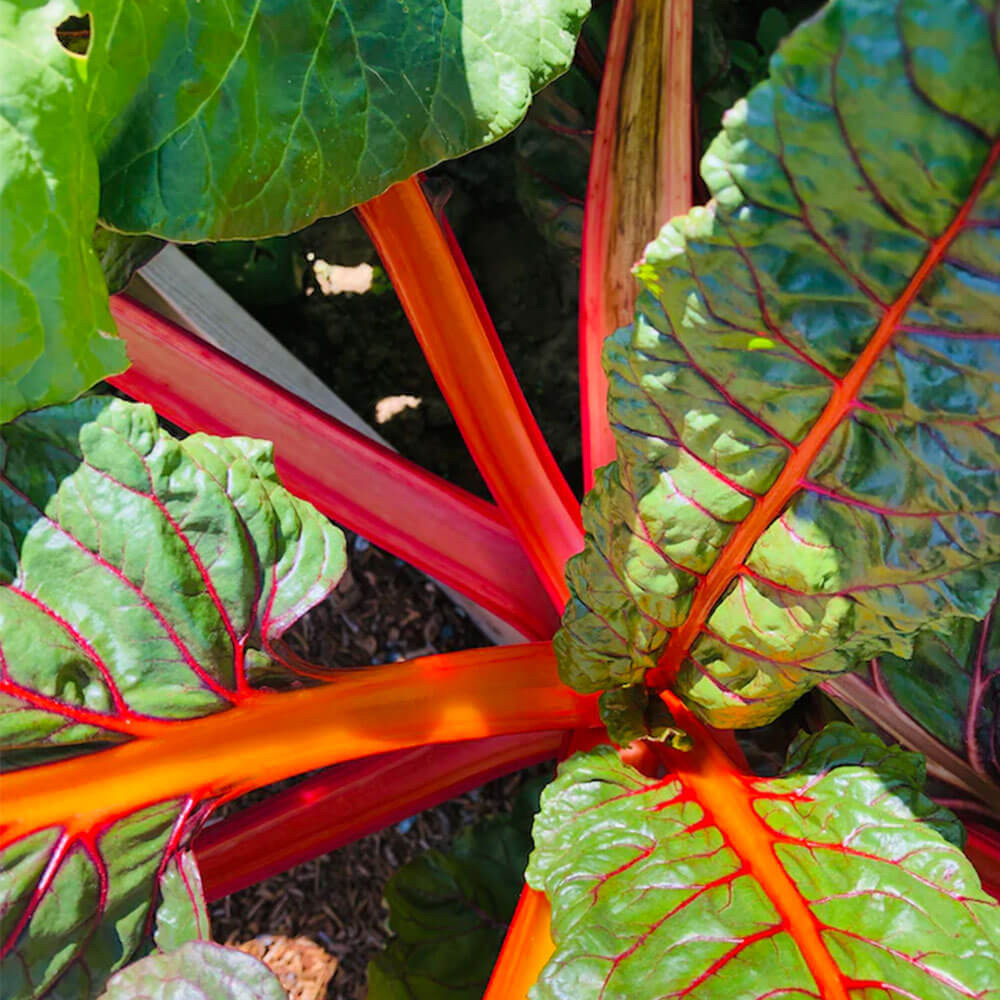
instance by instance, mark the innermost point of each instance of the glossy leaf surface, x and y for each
(55, 335)
(944, 702)
(197, 969)
(196, 121)
(182, 915)
(838, 879)
(252, 119)
(143, 578)
(805, 407)
(449, 910)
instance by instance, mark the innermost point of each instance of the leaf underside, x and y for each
(807, 406)
(944, 702)
(194, 121)
(143, 580)
(652, 899)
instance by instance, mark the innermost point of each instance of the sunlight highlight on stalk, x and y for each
(437, 699)
(469, 364)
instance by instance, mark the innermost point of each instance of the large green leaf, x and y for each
(249, 118)
(55, 328)
(142, 580)
(838, 879)
(216, 120)
(141, 577)
(198, 969)
(806, 406)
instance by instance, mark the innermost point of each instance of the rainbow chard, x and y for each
(805, 408)
(187, 562)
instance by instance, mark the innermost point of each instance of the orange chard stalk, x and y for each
(640, 176)
(267, 737)
(526, 949)
(465, 354)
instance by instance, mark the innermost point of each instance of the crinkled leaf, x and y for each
(449, 910)
(655, 894)
(944, 702)
(55, 328)
(197, 969)
(189, 554)
(807, 472)
(182, 915)
(138, 577)
(629, 713)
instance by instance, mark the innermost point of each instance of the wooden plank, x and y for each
(173, 285)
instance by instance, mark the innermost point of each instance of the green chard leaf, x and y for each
(837, 878)
(194, 121)
(944, 702)
(182, 915)
(252, 119)
(141, 578)
(197, 969)
(56, 331)
(449, 910)
(778, 513)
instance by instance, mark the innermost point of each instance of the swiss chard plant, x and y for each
(796, 483)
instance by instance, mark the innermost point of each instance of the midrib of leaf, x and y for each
(723, 794)
(713, 585)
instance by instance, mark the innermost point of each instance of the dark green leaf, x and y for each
(219, 121)
(254, 272)
(944, 702)
(449, 911)
(256, 118)
(121, 256)
(772, 28)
